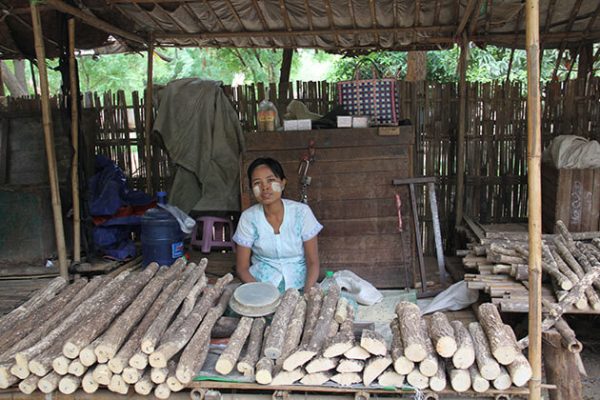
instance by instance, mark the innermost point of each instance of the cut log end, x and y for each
(298, 359)
(69, 384)
(357, 353)
(347, 378)
(391, 378)
(460, 380)
(157, 360)
(417, 380)
(61, 365)
(88, 384)
(175, 384)
(71, 350)
(118, 385)
(131, 375)
(29, 385)
(316, 379)
(139, 360)
(285, 378)
(374, 367)
(22, 372)
(264, 371)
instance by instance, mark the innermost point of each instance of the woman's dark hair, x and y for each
(273, 165)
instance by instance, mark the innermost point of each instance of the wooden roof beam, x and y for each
(94, 21)
(471, 5)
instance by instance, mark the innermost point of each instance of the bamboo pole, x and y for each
(148, 117)
(462, 123)
(535, 196)
(75, 144)
(49, 141)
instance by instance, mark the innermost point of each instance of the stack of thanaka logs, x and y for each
(311, 341)
(502, 263)
(144, 330)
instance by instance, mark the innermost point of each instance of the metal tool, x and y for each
(430, 182)
(305, 180)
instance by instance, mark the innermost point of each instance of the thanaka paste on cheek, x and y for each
(276, 187)
(256, 190)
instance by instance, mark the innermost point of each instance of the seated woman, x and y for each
(276, 238)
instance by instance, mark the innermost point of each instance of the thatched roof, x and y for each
(331, 25)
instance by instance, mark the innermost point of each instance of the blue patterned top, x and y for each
(278, 258)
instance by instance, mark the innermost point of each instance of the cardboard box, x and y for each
(304, 124)
(344, 121)
(360, 122)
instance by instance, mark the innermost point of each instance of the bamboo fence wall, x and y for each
(496, 137)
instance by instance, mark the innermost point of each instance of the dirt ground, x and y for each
(591, 383)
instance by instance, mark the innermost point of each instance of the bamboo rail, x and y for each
(75, 143)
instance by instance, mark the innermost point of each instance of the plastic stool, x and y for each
(214, 234)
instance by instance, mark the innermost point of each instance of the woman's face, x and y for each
(266, 186)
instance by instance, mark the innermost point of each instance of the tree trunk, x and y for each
(442, 335)
(294, 331)
(502, 346)
(131, 346)
(162, 391)
(190, 301)
(402, 365)
(193, 357)
(248, 362)
(230, 355)
(161, 322)
(464, 356)
(374, 367)
(264, 371)
(174, 343)
(488, 366)
(325, 317)
(172, 382)
(274, 342)
(409, 319)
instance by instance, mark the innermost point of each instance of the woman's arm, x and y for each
(311, 253)
(242, 264)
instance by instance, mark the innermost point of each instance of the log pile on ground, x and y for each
(149, 331)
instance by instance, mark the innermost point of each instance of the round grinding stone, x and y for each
(255, 299)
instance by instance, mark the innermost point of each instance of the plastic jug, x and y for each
(162, 238)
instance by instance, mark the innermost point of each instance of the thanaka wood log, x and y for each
(102, 374)
(294, 331)
(569, 340)
(316, 379)
(96, 324)
(145, 385)
(158, 375)
(87, 355)
(139, 360)
(373, 342)
(174, 343)
(285, 378)
(161, 322)
(346, 378)
(6, 378)
(283, 314)
(88, 383)
(391, 378)
(29, 385)
(162, 391)
(520, 371)
(348, 365)
(442, 335)
(172, 382)
(357, 353)
(191, 300)
(264, 366)
(344, 340)
(325, 317)
(503, 381)
(438, 382)
(76, 368)
(567, 257)
(118, 385)
(502, 346)
(321, 364)
(402, 365)
(314, 300)
(341, 310)
(478, 382)
(77, 315)
(417, 379)
(248, 361)
(554, 257)
(112, 340)
(132, 345)
(20, 372)
(464, 356)
(487, 364)
(49, 383)
(551, 267)
(460, 379)
(69, 384)
(34, 319)
(39, 299)
(429, 365)
(409, 319)
(131, 375)
(334, 327)
(228, 358)
(41, 365)
(375, 367)
(60, 365)
(193, 357)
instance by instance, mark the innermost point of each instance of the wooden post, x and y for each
(148, 117)
(1, 81)
(75, 143)
(561, 368)
(534, 144)
(462, 127)
(49, 141)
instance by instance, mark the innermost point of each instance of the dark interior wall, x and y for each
(27, 228)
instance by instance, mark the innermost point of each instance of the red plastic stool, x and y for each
(216, 232)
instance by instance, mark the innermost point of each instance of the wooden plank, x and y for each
(595, 206)
(563, 196)
(360, 226)
(561, 368)
(360, 208)
(4, 132)
(333, 154)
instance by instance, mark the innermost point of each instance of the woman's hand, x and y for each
(311, 253)
(242, 264)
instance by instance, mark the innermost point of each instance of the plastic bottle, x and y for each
(328, 281)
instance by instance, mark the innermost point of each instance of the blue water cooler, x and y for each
(162, 238)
